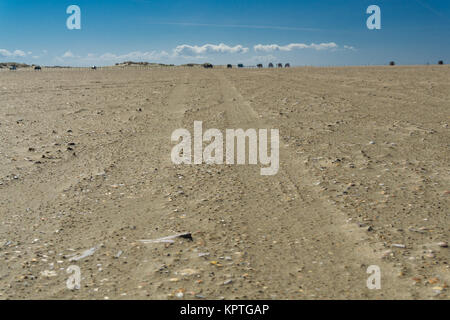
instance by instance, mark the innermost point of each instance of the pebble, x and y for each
(437, 290)
(48, 273)
(203, 254)
(387, 253)
(443, 244)
(188, 272)
(118, 254)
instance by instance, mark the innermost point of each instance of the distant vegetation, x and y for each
(10, 64)
(192, 65)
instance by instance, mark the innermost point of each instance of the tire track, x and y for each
(311, 235)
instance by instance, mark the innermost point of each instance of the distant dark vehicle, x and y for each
(260, 65)
(441, 62)
(280, 65)
(94, 67)
(271, 65)
(13, 68)
(392, 63)
(240, 65)
(229, 66)
(207, 66)
(287, 65)
(37, 68)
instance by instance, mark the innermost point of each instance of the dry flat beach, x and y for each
(364, 179)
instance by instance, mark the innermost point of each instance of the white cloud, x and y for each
(4, 53)
(188, 50)
(294, 46)
(16, 53)
(68, 54)
(112, 57)
(19, 53)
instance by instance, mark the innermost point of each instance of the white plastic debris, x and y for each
(169, 239)
(87, 253)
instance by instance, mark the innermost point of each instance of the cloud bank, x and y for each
(188, 50)
(14, 54)
(294, 46)
(183, 51)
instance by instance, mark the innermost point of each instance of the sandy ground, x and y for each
(364, 166)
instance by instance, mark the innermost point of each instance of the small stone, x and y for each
(443, 244)
(227, 281)
(188, 272)
(387, 253)
(179, 295)
(118, 254)
(203, 254)
(48, 273)
(433, 280)
(437, 290)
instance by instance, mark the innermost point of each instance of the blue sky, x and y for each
(325, 32)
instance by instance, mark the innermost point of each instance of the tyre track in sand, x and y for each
(314, 251)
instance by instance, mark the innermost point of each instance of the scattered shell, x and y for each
(169, 239)
(443, 244)
(85, 254)
(188, 272)
(49, 273)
